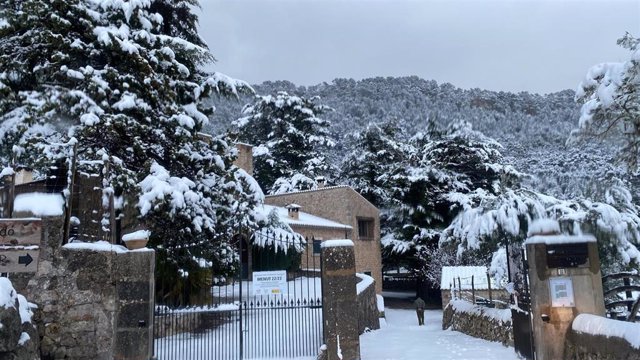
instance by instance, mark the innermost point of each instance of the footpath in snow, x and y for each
(402, 339)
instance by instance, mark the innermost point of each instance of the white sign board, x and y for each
(561, 292)
(269, 282)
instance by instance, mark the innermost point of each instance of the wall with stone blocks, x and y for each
(478, 321)
(582, 346)
(368, 314)
(91, 304)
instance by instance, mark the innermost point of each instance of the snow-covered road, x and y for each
(402, 339)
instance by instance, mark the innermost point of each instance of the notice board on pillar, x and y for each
(561, 292)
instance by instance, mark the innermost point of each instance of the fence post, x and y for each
(489, 285)
(12, 191)
(459, 289)
(473, 290)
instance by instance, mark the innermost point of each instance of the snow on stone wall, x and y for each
(594, 337)
(478, 321)
(368, 314)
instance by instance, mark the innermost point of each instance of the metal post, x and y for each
(473, 290)
(489, 283)
(506, 250)
(12, 189)
(240, 240)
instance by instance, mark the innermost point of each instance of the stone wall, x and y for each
(368, 314)
(94, 302)
(478, 321)
(585, 346)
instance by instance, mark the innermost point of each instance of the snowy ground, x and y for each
(402, 339)
(399, 339)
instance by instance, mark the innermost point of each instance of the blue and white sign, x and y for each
(269, 283)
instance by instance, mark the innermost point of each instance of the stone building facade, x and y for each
(343, 205)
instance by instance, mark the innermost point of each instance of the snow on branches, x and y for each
(610, 98)
(125, 79)
(289, 138)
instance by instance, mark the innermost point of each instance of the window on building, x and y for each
(367, 273)
(317, 248)
(365, 229)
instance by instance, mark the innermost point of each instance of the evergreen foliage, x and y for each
(289, 140)
(532, 128)
(610, 98)
(123, 80)
(377, 154)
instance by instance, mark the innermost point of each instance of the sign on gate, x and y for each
(269, 282)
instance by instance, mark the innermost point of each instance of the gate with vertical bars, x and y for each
(242, 321)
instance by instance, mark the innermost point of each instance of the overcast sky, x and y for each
(512, 45)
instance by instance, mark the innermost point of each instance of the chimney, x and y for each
(245, 158)
(321, 181)
(23, 175)
(293, 210)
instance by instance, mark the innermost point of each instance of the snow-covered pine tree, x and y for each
(123, 80)
(459, 161)
(289, 140)
(610, 98)
(376, 155)
(487, 221)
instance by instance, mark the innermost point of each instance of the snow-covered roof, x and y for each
(559, 239)
(449, 273)
(312, 190)
(304, 219)
(39, 204)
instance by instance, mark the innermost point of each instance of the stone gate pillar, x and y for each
(564, 271)
(339, 300)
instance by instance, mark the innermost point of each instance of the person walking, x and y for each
(419, 303)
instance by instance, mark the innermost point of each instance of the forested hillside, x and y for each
(532, 128)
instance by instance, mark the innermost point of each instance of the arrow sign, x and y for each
(26, 260)
(16, 260)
